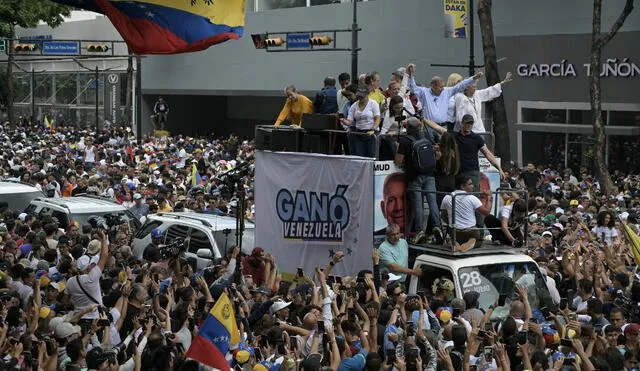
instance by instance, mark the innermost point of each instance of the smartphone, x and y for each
(488, 354)
(420, 293)
(482, 333)
(568, 361)
(281, 348)
(563, 303)
(410, 329)
(300, 272)
(573, 316)
(533, 320)
(502, 298)
(522, 337)
(321, 327)
(488, 326)
(456, 313)
(566, 342)
(545, 312)
(391, 356)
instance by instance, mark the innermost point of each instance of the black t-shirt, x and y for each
(530, 179)
(469, 145)
(405, 147)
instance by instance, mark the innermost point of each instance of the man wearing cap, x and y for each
(280, 309)
(84, 289)
(139, 209)
(469, 143)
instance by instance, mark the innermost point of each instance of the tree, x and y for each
(598, 42)
(27, 14)
(500, 124)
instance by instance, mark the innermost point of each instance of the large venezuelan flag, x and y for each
(170, 26)
(218, 331)
(196, 179)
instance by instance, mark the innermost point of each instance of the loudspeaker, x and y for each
(316, 142)
(275, 139)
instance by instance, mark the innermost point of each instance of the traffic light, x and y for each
(97, 48)
(25, 47)
(277, 41)
(320, 40)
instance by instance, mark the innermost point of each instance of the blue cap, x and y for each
(156, 233)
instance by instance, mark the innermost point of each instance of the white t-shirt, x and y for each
(505, 212)
(609, 233)
(89, 154)
(91, 283)
(465, 209)
(182, 155)
(364, 119)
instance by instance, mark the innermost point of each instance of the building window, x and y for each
(555, 116)
(624, 118)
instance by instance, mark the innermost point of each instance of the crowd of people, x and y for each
(73, 301)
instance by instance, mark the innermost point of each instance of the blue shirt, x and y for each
(394, 254)
(355, 363)
(435, 107)
(326, 101)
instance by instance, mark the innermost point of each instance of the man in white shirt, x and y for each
(84, 289)
(466, 233)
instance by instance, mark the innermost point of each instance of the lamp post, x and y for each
(354, 44)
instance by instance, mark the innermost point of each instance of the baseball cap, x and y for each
(467, 119)
(558, 226)
(85, 261)
(573, 203)
(312, 362)
(278, 306)
(546, 233)
(137, 196)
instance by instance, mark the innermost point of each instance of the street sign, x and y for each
(3, 45)
(298, 40)
(60, 47)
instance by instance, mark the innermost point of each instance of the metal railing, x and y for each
(450, 232)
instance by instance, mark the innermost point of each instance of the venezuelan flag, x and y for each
(196, 179)
(170, 26)
(216, 334)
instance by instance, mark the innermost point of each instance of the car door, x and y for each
(199, 241)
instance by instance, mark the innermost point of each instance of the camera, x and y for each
(97, 222)
(172, 250)
(401, 118)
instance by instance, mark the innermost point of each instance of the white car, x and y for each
(491, 272)
(78, 209)
(18, 194)
(206, 236)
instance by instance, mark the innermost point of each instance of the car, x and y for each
(492, 272)
(207, 237)
(18, 194)
(79, 209)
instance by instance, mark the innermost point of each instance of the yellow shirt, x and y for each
(293, 110)
(377, 96)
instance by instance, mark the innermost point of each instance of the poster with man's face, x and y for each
(390, 204)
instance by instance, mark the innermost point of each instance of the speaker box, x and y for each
(272, 139)
(316, 142)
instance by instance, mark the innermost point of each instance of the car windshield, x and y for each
(226, 238)
(20, 201)
(122, 215)
(492, 281)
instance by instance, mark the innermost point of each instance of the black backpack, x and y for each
(424, 159)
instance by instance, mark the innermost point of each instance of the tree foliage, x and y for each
(28, 13)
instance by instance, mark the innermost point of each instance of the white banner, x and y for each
(310, 206)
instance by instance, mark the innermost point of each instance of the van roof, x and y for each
(214, 221)
(9, 186)
(84, 204)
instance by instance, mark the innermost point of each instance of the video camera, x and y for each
(173, 249)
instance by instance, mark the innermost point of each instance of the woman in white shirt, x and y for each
(470, 102)
(606, 228)
(363, 122)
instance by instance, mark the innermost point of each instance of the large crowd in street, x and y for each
(76, 301)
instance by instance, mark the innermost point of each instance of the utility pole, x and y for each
(472, 62)
(33, 95)
(97, 76)
(354, 44)
(139, 99)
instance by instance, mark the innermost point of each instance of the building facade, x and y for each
(232, 87)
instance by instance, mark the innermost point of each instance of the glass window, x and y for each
(556, 116)
(279, 4)
(543, 148)
(491, 281)
(176, 231)
(580, 152)
(20, 201)
(198, 240)
(147, 228)
(225, 239)
(430, 274)
(63, 219)
(624, 118)
(623, 153)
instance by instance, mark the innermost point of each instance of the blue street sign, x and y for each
(61, 47)
(298, 40)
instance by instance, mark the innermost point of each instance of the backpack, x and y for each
(424, 159)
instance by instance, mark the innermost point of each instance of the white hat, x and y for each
(559, 210)
(137, 196)
(94, 247)
(85, 261)
(624, 216)
(278, 306)
(546, 233)
(22, 216)
(559, 226)
(66, 329)
(394, 277)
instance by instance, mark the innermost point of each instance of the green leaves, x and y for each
(28, 13)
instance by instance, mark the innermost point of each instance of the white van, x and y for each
(486, 270)
(18, 194)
